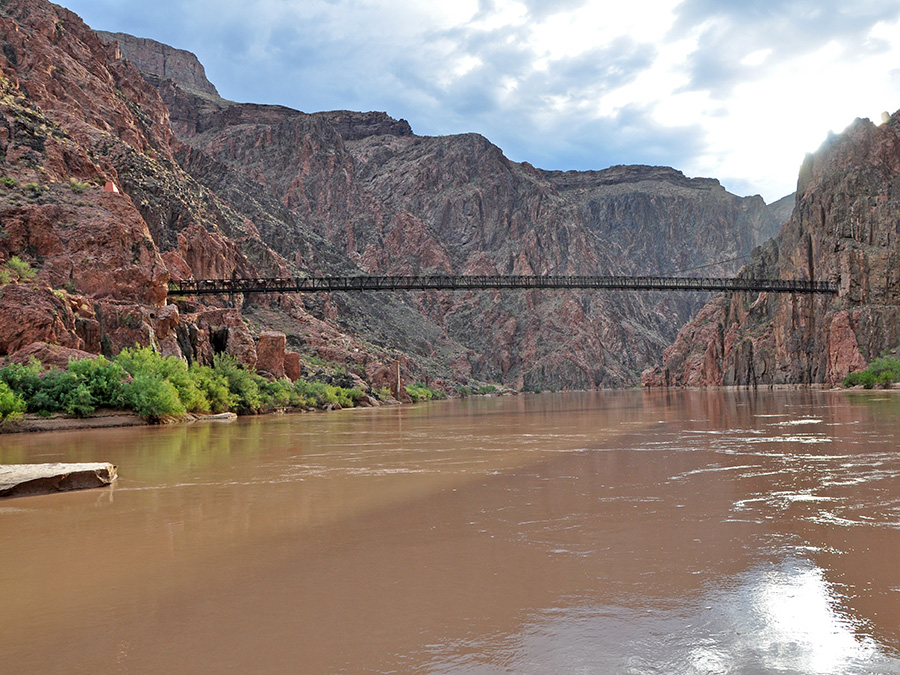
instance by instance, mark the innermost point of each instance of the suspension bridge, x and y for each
(470, 283)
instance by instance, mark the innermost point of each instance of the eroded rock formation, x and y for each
(211, 188)
(396, 203)
(75, 116)
(845, 227)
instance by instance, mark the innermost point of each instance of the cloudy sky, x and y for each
(738, 90)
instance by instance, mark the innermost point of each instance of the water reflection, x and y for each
(778, 617)
(624, 532)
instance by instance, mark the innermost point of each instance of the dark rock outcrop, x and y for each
(154, 57)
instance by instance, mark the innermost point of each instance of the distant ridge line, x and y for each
(468, 283)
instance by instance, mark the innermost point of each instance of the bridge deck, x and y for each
(467, 283)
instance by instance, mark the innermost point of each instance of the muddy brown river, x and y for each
(622, 532)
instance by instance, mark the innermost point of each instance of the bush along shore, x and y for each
(883, 373)
(158, 388)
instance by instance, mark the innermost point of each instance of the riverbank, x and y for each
(101, 419)
(110, 418)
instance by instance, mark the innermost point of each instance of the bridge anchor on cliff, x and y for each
(469, 283)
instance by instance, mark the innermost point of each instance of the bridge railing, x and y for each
(462, 283)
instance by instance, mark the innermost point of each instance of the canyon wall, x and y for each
(393, 202)
(845, 228)
(95, 202)
(123, 168)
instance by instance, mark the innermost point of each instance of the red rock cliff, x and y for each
(845, 228)
(396, 203)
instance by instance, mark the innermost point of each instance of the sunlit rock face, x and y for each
(845, 228)
(359, 192)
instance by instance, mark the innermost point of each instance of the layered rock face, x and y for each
(75, 116)
(845, 228)
(176, 64)
(392, 202)
(68, 114)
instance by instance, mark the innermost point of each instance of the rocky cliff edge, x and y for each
(845, 228)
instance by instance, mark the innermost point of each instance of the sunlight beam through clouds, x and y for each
(733, 90)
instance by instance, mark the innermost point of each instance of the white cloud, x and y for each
(757, 57)
(738, 91)
(601, 22)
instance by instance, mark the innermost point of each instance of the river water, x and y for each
(620, 532)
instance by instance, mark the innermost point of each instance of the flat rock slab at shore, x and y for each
(38, 479)
(101, 419)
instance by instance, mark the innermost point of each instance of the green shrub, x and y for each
(145, 361)
(20, 268)
(886, 369)
(152, 396)
(321, 395)
(214, 387)
(243, 385)
(348, 398)
(61, 391)
(882, 372)
(77, 186)
(23, 379)
(279, 394)
(419, 392)
(79, 401)
(464, 391)
(8, 182)
(486, 389)
(11, 404)
(104, 379)
(314, 394)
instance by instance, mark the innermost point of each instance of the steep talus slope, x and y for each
(844, 228)
(396, 203)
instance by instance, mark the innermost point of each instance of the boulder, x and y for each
(34, 479)
(270, 353)
(292, 366)
(29, 314)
